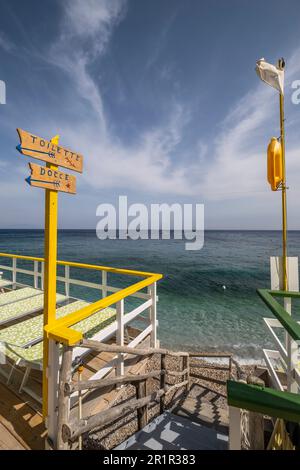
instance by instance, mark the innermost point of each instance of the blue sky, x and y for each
(160, 97)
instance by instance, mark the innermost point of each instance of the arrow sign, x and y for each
(43, 177)
(45, 150)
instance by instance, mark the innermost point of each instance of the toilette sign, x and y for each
(43, 177)
(47, 151)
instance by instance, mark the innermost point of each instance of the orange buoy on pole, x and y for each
(274, 167)
(274, 76)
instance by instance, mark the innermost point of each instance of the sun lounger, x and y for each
(5, 283)
(29, 332)
(32, 357)
(18, 294)
(24, 307)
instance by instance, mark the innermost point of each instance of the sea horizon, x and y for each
(195, 311)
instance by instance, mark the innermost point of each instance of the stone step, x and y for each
(204, 412)
(173, 432)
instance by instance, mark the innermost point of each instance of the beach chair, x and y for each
(18, 294)
(21, 308)
(5, 283)
(29, 332)
(32, 357)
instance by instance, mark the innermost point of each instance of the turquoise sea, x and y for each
(194, 310)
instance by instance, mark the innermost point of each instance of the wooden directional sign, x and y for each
(42, 149)
(43, 177)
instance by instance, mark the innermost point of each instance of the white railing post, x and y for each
(293, 285)
(53, 384)
(292, 352)
(36, 274)
(235, 430)
(120, 336)
(67, 281)
(104, 284)
(42, 274)
(14, 272)
(153, 315)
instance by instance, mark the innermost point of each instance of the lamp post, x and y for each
(281, 65)
(274, 76)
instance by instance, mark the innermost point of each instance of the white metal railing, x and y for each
(37, 274)
(146, 311)
(287, 352)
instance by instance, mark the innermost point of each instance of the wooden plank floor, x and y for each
(21, 425)
(8, 440)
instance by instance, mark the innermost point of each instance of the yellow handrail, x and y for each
(61, 332)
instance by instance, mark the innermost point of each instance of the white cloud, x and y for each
(93, 18)
(5, 43)
(238, 167)
(231, 166)
(85, 31)
(146, 165)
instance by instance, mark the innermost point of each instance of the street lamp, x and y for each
(274, 76)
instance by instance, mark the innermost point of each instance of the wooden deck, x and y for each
(21, 423)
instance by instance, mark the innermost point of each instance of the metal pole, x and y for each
(283, 194)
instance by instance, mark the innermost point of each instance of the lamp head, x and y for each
(281, 63)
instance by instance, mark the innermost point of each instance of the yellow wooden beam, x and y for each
(65, 335)
(51, 198)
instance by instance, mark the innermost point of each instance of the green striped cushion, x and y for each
(29, 330)
(18, 294)
(25, 306)
(89, 327)
(4, 282)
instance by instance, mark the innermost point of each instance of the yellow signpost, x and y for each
(52, 180)
(51, 198)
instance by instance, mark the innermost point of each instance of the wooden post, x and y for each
(120, 336)
(64, 398)
(256, 421)
(235, 431)
(230, 367)
(163, 380)
(186, 365)
(142, 413)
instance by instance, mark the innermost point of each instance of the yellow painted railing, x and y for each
(61, 330)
